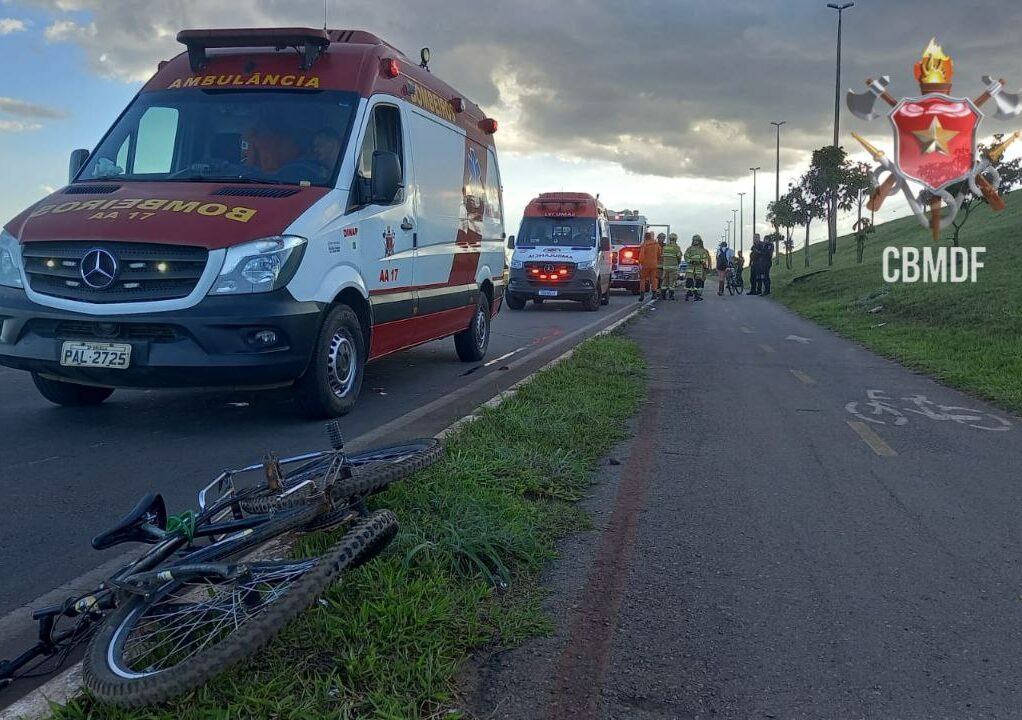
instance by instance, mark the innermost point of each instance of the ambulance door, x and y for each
(386, 231)
(446, 254)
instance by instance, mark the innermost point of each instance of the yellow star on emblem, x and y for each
(935, 138)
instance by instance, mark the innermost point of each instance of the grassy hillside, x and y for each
(967, 335)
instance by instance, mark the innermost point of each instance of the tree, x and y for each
(1011, 177)
(806, 207)
(781, 214)
(827, 179)
(858, 182)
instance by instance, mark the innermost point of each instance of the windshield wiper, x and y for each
(240, 179)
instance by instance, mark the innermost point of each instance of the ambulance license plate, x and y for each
(113, 356)
(547, 293)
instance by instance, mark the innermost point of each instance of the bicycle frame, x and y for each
(220, 519)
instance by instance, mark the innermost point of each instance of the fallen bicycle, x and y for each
(200, 599)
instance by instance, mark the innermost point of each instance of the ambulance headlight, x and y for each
(260, 266)
(10, 261)
(517, 264)
(587, 265)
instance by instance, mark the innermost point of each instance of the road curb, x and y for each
(37, 704)
(498, 399)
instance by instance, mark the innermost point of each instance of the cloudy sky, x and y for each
(660, 105)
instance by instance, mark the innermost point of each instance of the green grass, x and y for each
(966, 335)
(461, 574)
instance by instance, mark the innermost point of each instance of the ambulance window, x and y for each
(122, 154)
(382, 133)
(157, 133)
(493, 199)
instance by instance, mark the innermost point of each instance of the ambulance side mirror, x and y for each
(386, 177)
(510, 242)
(604, 244)
(78, 159)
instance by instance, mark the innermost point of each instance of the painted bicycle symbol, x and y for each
(880, 410)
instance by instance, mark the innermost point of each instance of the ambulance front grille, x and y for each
(143, 272)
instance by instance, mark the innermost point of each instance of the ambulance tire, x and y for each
(605, 298)
(472, 342)
(330, 386)
(592, 303)
(70, 394)
(514, 302)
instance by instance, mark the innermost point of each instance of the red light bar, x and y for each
(391, 68)
(488, 126)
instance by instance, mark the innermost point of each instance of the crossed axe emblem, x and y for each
(983, 180)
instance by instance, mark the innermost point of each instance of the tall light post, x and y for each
(777, 171)
(754, 170)
(727, 237)
(832, 220)
(734, 228)
(741, 224)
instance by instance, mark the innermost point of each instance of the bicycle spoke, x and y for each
(198, 615)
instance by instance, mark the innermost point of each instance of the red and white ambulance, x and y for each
(275, 207)
(562, 252)
(627, 229)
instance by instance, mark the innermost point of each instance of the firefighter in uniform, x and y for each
(698, 259)
(649, 265)
(670, 261)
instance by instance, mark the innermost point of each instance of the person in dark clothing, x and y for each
(754, 265)
(766, 259)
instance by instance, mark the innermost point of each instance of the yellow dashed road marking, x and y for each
(875, 442)
(768, 350)
(803, 377)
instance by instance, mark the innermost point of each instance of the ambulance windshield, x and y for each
(625, 234)
(263, 136)
(557, 232)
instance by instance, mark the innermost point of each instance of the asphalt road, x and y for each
(69, 473)
(766, 550)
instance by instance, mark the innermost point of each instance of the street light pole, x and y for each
(734, 228)
(777, 171)
(832, 220)
(754, 200)
(741, 225)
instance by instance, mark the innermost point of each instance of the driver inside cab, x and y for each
(267, 147)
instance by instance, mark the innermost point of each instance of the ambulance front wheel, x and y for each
(513, 301)
(472, 342)
(330, 387)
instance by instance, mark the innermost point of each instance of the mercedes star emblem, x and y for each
(98, 269)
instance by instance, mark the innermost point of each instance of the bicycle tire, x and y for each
(358, 545)
(369, 475)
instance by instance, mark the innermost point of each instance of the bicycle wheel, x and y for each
(372, 471)
(158, 646)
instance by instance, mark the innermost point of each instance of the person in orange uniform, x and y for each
(649, 265)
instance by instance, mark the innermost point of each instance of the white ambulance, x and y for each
(261, 216)
(562, 252)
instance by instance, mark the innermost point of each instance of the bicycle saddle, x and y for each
(149, 510)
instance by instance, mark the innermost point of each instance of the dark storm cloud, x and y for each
(683, 88)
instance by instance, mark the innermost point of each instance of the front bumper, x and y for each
(208, 345)
(626, 276)
(579, 287)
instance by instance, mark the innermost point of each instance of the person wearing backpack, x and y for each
(723, 262)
